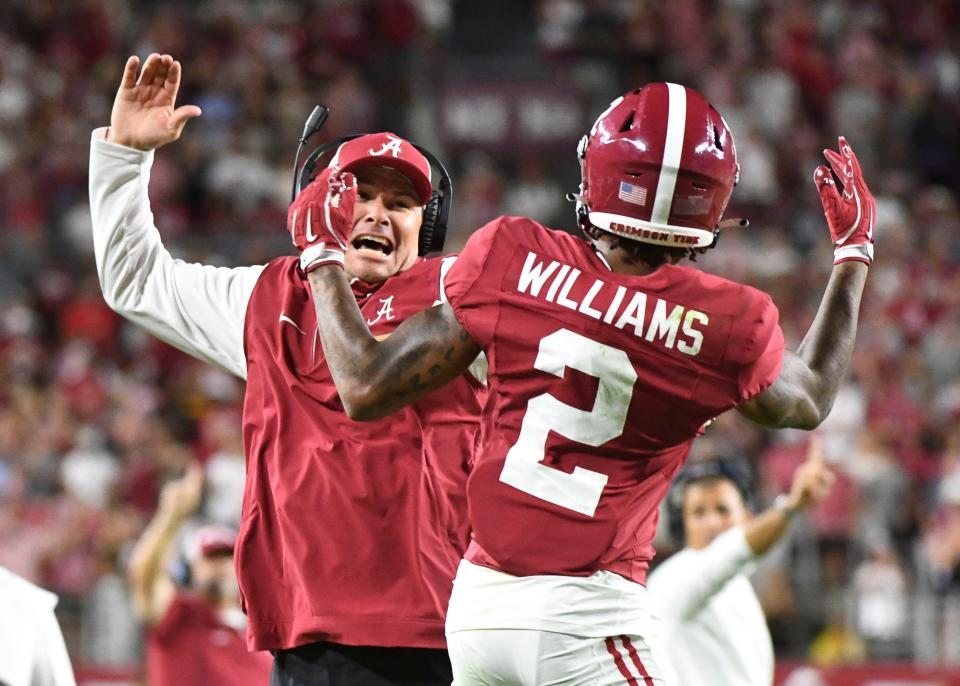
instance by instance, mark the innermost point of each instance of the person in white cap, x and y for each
(32, 651)
(350, 535)
(195, 631)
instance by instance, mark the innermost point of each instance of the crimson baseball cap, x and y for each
(210, 540)
(386, 150)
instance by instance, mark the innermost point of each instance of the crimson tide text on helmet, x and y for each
(658, 166)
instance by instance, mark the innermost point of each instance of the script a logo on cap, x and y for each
(391, 145)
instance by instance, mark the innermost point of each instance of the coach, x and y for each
(714, 630)
(350, 534)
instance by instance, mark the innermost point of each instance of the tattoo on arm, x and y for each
(375, 378)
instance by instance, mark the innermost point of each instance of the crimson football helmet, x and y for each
(658, 166)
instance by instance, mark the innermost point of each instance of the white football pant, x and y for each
(524, 657)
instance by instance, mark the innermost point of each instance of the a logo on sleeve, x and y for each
(385, 311)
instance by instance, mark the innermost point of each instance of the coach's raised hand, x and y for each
(143, 113)
(813, 480)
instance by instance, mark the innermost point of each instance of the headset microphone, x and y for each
(314, 123)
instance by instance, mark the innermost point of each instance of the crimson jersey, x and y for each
(351, 532)
(598, 382)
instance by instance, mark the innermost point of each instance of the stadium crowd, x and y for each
(95, 415)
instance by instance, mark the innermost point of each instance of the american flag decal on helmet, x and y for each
(635, 194)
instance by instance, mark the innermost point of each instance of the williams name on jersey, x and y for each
(659, 326)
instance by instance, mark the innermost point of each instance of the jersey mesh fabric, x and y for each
(598, 384)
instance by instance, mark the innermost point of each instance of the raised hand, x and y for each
(143, 114)
(180, 498)
(320, 219)
(851, 215)
(813, 479)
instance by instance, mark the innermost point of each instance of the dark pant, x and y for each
(332, 664)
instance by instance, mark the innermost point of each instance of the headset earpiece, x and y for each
(432, 230)
(583, 217)
(436, 213)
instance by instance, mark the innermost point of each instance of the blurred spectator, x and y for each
(837, 644)
(195, 634)
(109, 625)
(89, 473)
(225, 469)
(879, 591)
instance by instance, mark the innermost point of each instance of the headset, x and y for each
(436, 213)
(734, 470)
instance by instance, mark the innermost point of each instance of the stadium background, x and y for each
(95, 415)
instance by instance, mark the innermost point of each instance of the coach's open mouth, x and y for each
(374, 245)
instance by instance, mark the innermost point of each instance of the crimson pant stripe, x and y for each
(621, 665)
(632, 652)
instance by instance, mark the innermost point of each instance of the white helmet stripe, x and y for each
(596, 123)
(672, 150)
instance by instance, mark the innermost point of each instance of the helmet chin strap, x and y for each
(590, 232)
(583, 212)
(583, 221)
(716, 239)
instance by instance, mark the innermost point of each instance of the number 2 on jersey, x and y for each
(523, 469)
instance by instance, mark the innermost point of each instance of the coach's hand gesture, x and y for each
(812, 481)
(143, 113)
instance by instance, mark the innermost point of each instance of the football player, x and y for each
(606, 358)
(350, 534)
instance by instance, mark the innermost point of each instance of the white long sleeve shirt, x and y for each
(713, 628)
(32, 651)
(197, 308)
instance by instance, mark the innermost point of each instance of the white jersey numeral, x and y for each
(579, 490)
